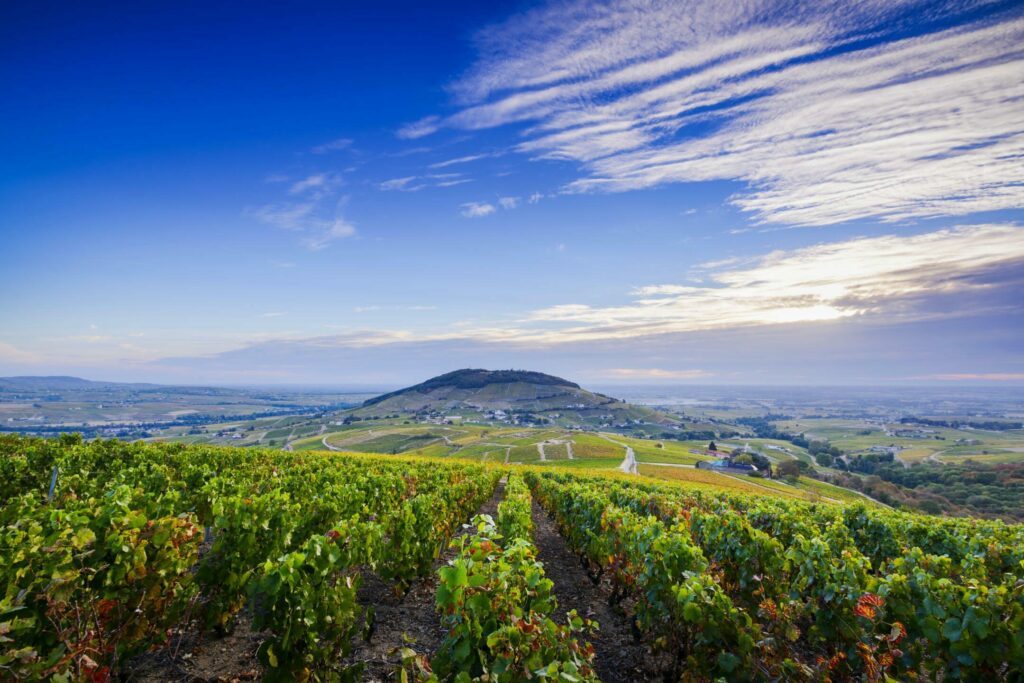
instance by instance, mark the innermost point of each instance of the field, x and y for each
(594, 446)
(109, 408)
(804, 488)
(653, 451)
(209, 562)
(928, 443)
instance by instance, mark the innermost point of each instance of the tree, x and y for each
(790, 469)
(761, 462)
(712, 446)
(824, 458)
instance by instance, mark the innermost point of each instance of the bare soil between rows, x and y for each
(407, 621)
(618, 657)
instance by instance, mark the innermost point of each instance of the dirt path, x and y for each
(540, 450)
(618, 659)
(409, 620)
(629, 464)
(329, 446)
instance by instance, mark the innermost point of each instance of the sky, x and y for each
(689, 191)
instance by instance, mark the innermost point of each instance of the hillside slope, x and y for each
(475, 391)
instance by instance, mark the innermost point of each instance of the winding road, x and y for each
(629, 464)
(329, 446)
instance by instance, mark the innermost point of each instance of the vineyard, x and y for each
(112, 553)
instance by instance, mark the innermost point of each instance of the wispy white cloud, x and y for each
(477, 209)
(317, 183)
(406, 184)
(273, 314)
(319, 225)
(419, 129)
(480, 209)
(418, 182)
(828, 111)
(313, 209)
(337, 229)
(332, 146)
(460, 160)
(289, 216)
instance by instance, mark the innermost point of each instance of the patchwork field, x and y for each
(857, 436)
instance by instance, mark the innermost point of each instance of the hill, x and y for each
(524, 396)
(28, 383)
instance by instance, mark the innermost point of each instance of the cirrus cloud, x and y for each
(827, 112)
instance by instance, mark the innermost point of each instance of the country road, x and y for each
(629, 464)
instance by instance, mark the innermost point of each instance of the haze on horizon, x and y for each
(616, 193)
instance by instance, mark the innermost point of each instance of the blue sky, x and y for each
(747, 193)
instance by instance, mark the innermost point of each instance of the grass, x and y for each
(724, 482)
(831, 491)
(805, 488)
(592, 446)
(438, 449)
(524, 454)
(649, 456)
(653, 451)
(556, 451)
(481, 452)
(582, 464)
(395, 443)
